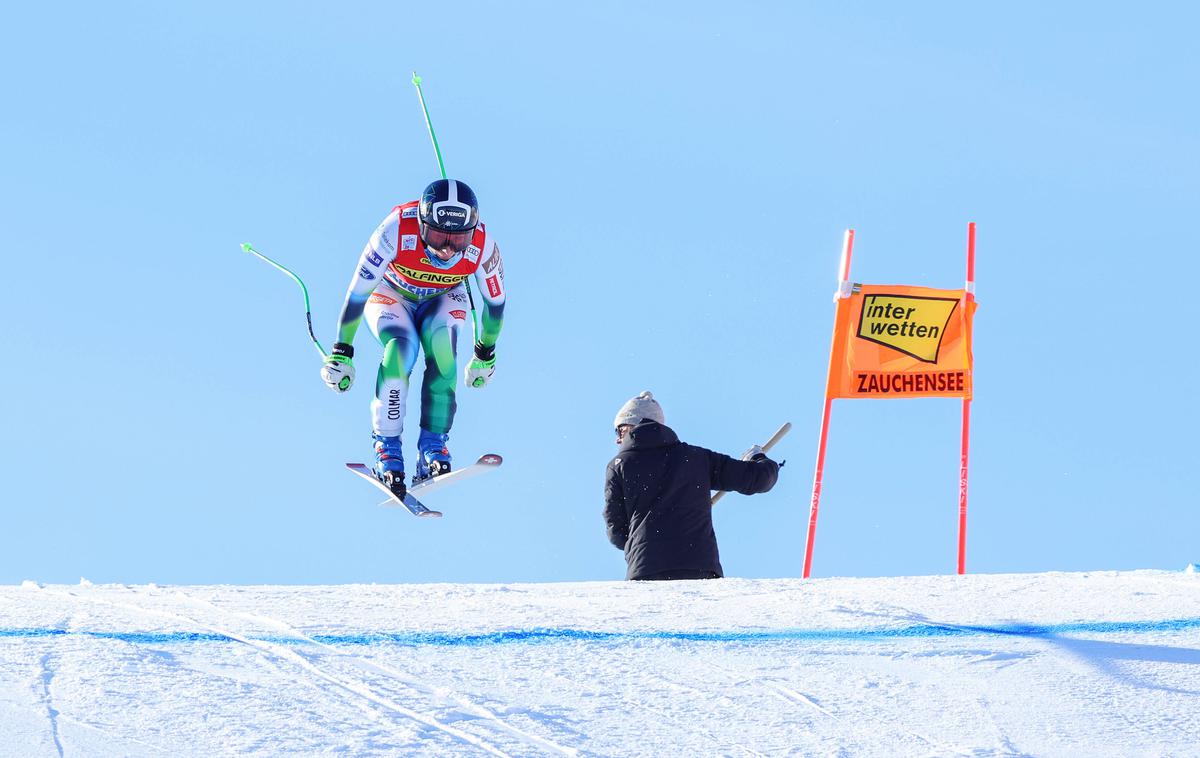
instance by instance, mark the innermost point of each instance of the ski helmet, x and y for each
(448, 213)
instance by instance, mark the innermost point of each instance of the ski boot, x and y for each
(389, 464)
(433, 458)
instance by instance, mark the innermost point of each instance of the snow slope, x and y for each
(1046, 664)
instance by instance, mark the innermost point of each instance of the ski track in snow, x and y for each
(276, 653)
(47, 668)
(1085, 664)
(472, 708)
(791, 695)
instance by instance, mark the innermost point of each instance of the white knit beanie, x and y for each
(641, 408)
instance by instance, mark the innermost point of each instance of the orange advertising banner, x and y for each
(898, 341)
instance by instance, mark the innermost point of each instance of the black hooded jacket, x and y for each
(657, 499)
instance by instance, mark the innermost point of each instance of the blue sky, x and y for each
(669, 186)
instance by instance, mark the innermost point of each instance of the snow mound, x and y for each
(1103, 663)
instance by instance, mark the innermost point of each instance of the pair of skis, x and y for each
(426, 486)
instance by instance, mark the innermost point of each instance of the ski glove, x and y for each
(479, 371)
(753, 454)
(338, 371)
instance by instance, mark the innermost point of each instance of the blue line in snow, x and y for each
(544, 635)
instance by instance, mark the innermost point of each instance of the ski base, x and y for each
(414, 506)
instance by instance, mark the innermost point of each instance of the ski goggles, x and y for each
(438, 238)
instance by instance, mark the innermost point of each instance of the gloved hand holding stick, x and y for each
(756, 450)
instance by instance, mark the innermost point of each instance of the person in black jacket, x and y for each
(657, 495)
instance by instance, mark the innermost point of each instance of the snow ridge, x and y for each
(542, 635)
(1101, 664)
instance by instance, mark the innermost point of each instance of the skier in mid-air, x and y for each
(409, 287)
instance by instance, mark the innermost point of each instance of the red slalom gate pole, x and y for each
(968, 298)
(819, 473)
(815, 503)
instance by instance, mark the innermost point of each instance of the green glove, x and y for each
(479, 371)
(338, 371)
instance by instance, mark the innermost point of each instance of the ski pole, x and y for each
(416, 80)
(778, 435)
(307, 310)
